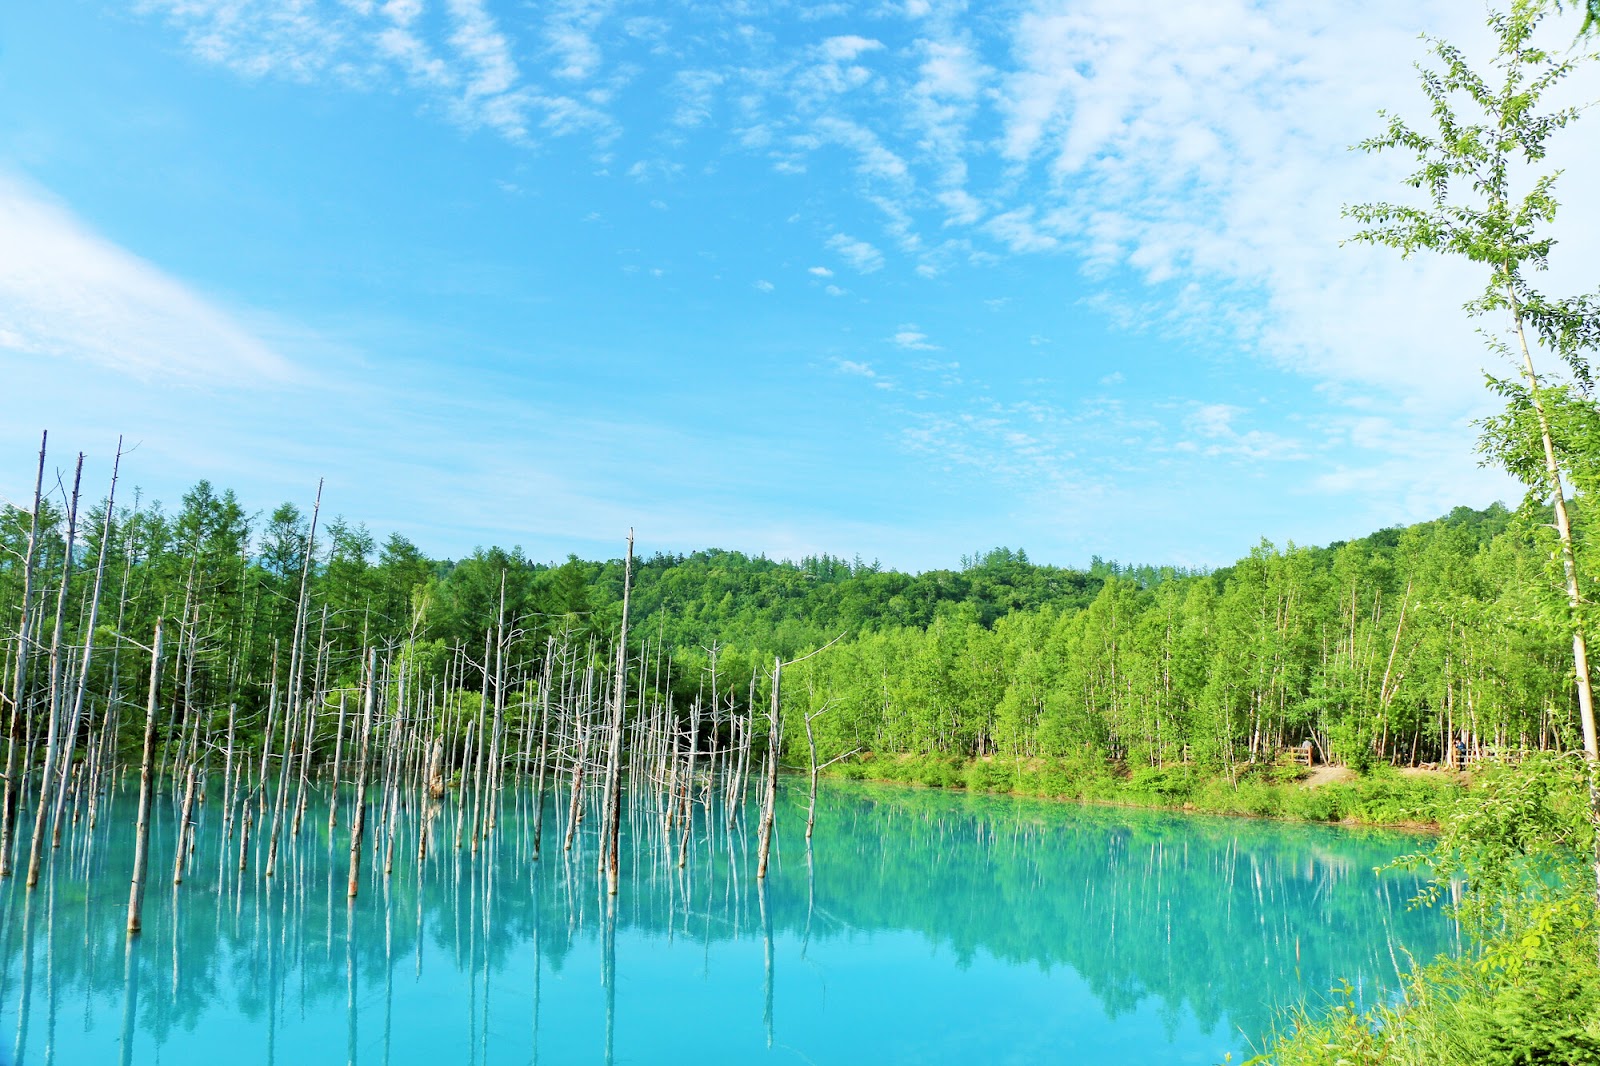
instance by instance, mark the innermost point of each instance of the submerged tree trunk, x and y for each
(769, 801)
(141, 838)
(76, 714)
(358, 815)
(544, 747)
(619, 695)
(58, 657)
(185, 828)
(19, 674)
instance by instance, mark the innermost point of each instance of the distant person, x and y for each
(1307, 747)
(1461, 754)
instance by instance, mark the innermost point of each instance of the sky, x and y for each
(904, 280)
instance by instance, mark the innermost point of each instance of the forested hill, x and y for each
(1375, 647)
(787, 607)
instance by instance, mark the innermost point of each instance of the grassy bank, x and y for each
(1380, 797)
(1515, 1001)
(1527, 989)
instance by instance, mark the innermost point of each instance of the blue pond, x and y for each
(919, 927)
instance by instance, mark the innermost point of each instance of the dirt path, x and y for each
(1328, 775)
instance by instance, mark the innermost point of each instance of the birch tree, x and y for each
(1490, 199)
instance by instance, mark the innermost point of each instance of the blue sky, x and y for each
(904, 279)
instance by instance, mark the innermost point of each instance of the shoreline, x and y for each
(1388, 799)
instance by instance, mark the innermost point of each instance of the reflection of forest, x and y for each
(1224, 917)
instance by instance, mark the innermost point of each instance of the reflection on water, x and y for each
(921, 927)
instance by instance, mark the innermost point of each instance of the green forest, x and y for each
(1377, 650)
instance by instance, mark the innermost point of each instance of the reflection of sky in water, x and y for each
(927, 928)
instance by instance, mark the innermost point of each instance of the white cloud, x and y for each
(913, 339)
(696, 91)
(859, 254)
(67, 291)
(849, 47)
(1214, 424)
(764, 285)
(1205, 149)
(569, 29)
(1019, 231)
(1199, 150)
(463, 64)
(1202, 150)
(1214, 419)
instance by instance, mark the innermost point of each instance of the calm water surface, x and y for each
(923, 928)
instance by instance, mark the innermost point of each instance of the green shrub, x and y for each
(1528, 991)
(1325, 804)
(1286, 773)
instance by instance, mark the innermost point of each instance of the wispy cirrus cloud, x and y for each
(66, 291)
(858, 253)
(1212, 430)
(456, 55)
(1189, 162)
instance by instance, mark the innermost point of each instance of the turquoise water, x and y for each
(922, 927)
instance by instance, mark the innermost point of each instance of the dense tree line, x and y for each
(1379, 649)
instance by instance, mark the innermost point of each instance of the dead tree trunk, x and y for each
(619, 696)
(58, 659)
(338, 756)
(358, 816)
(19, 673)
(436, 768)
(141, 838)
(544, 747)
(81, 692)
(769, 802)
(185, 828)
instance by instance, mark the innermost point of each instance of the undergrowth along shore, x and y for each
(1379, 797)
(1526, 990)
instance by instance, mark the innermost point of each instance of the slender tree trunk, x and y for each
(141, 838)
(185, 828)
(19, 676)
(811, 807)
(58, 658)
(338, 756)
(619, 694)
(76, 714)
(358, 815)
(477, 769)
(1569, 569)
(769, 803)
(544, 748)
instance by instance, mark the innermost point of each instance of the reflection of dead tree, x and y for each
(766, 941)
(769, 803)
(816, 769)
(769, 794)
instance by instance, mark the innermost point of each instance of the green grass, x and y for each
(1520, 999)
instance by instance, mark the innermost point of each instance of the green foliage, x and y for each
(1512, 853)
(1381, 799)
(1164, 688)
(1519, 837)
